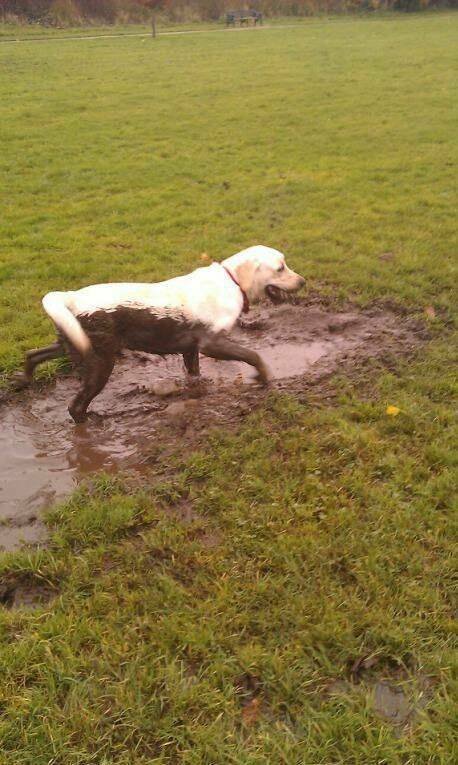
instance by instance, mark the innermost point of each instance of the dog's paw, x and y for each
(251, 326)
(264, 376)
(77, 415)
(19, 381)
(197, 384)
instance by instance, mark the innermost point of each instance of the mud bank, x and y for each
(149, 405)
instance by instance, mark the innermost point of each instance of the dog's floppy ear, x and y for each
(245, 275)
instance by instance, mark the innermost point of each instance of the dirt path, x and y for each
(149, 406)
(148, 34)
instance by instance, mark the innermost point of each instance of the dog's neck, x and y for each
(246, 302)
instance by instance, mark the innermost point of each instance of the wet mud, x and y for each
(150, 405)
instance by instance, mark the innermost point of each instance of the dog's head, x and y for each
(262, 272)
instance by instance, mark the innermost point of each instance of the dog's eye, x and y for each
(281, 268)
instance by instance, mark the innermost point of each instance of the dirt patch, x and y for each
(148, 406)
(208, 538)
(391, 703)
(25, 591)
(398, 694)
(397, 699)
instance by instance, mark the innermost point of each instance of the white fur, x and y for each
(206, 296)
(55, 305)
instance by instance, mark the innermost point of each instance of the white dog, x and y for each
(187, 315)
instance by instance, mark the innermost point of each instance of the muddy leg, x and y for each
(191, 362)
(97, 370)
(35, 357)
(226, 350)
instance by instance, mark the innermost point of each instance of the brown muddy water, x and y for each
(149, 402)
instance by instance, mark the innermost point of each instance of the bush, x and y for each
(111, 11)
(64, 13)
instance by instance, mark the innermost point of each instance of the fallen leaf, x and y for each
(392, 411)
(386, 256)
(204, 257)
(250, 713)
(430, 312)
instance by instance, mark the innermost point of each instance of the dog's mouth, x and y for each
(276, 294)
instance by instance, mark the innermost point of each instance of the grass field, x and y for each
(38, 32)
(14, 31)
(322, 532)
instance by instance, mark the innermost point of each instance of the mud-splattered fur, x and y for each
(188, 314)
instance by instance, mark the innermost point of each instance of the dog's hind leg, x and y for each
(96, 373)
(220, 347)
(35, 357)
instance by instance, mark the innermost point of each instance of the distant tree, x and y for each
(99, 9)
(154, 6)
(31, 9)
(67, 11)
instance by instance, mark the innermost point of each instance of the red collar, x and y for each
(246, 303)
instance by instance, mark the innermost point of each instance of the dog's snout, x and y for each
(301, 281)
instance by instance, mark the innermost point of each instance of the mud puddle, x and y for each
(148, 402)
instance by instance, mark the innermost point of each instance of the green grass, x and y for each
(15, 31)
(37, 31)
(34, 31)
(128, 158)
(322, 532)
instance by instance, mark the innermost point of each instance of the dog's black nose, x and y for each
(301, 281)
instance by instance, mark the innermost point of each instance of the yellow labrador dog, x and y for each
(190, 314)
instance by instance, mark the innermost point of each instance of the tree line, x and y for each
(62, 12)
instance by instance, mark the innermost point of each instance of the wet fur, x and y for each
(187, 315)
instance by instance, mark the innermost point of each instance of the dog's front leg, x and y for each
(220, 347)
(191, 362)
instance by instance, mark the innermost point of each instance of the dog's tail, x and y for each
(55, 306)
